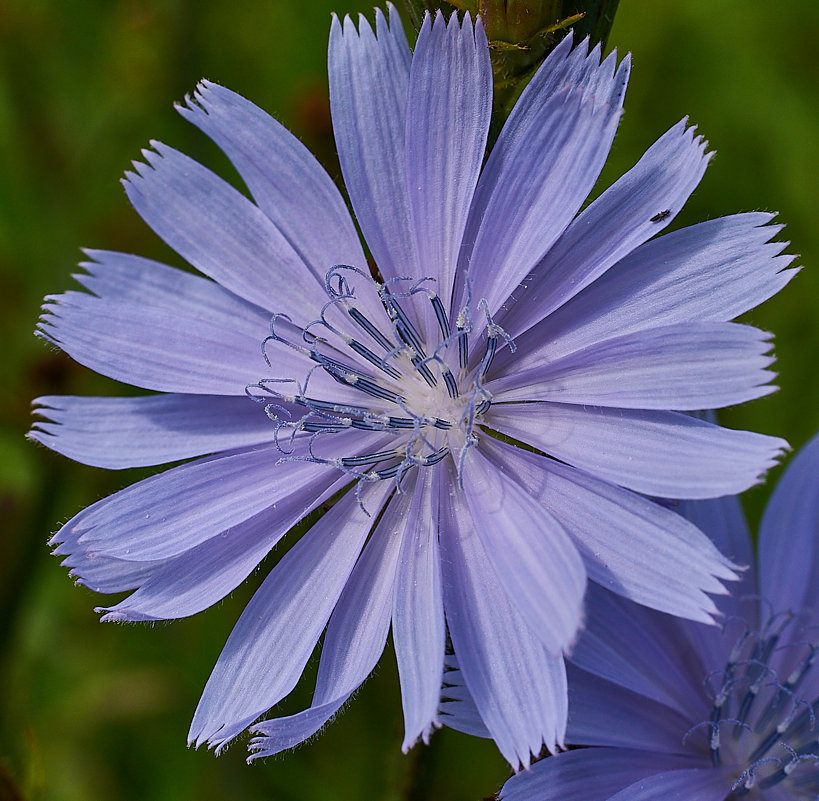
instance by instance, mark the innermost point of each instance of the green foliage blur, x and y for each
(96, 713)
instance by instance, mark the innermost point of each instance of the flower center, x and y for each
(760, 723)
(427, 393)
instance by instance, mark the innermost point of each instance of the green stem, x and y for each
(420, 778)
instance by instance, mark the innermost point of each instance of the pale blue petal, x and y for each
(534, 193)
(693, 784)
(592, 774)
(631, 448)
(161, 328)
(612, 226)
(133, 279)
(788, 567)
(723, 521)
(789, 537)
(358, 628)
(518, 688)
(565, 66)
(133, 432)
(355, 637)
(105, 574)
(273, 639)
(170, 513)
(286, 181)
(369, 77)
(603, 713)
(644, 651)
(688, 366)
(544, 164)
(629, 545)
(221, 233)
(150, 348)
(418, 629)
(144, 284)
(536, 563)
(778, 793)
(271, 737)
(448, 111)
(457, 707)
(709, 272)
(203, 575)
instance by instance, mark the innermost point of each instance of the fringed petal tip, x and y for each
(38, 437)
(411, 740)
(194, 102)
(257, 748)
(153, 156)
(54, 543)
(205, 86)
(688, 131)
(44, 431)
(262, 746)
(346, 25)
(46, 328)
(269, 739)
(769, 451)
(217, 740)
(779, 448)
(454, 22)
(726, 570)
(111, 614)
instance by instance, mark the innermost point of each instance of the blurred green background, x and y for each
(90, 712)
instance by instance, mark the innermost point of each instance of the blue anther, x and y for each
(367, 326)
(389, 472)
(421, 366)
(489, 354)
(433, 458)
(371, 458)
(313, 427)
(493, 331)
(463, 347)
(449, 380)
(361, 350)
(440, 314)
(366, 425)
(371, 388)
(402, 325)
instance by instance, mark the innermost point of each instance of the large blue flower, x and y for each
(485, 417)
(682, 711)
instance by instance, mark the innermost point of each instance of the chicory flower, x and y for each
(484, 408)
